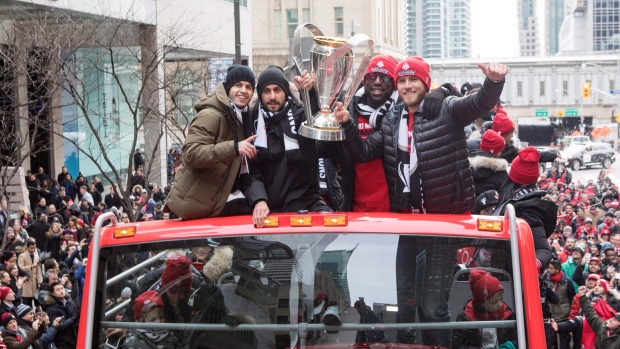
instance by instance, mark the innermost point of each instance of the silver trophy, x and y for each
(332, 61)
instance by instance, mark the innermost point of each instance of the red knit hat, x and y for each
(177, 272)
(383, 64)
(604, 284)
(502, 124)
(492, 142)
(145, 302)
(6, 318)
(483, 285)
(594, 277)
(414, 66)
(4, 291)
(524, 168)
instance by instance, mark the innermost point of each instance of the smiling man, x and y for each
(425, 158)
(284, 175)
(215, 153)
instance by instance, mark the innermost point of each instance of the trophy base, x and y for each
(321, 134)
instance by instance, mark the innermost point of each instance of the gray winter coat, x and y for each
(441, 147)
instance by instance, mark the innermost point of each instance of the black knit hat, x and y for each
(236, 73)
(273, 75)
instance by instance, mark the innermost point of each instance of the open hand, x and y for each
(261, 211)
(494, 71)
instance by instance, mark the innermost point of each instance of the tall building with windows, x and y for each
(555, 11)
(592, 25)
(274, 23)
(438, 28)
(529, 42)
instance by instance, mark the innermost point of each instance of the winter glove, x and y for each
(434, 100)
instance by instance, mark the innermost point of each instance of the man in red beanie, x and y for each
(7, 297)
(488, 169)
(425, 159)
(520, 190)
(487, 304)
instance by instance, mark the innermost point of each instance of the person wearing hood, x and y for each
(285, 174)
(487, 304)
(25, 320)
(520, 190)
(488, 169)
(16, 337)
(215, 155)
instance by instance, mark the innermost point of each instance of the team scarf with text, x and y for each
(408, 197)
(373, 115)
(284, 127)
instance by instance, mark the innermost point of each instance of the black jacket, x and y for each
(441, 146)
(489, 172)
(67, 331)
(287, 185)
(37, 230)
(113, 201)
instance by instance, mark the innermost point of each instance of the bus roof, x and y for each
(464, 225)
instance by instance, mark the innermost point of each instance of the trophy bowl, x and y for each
(332, 61)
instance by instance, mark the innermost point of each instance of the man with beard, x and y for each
(426, 169)
(285, 178)
(429, 153)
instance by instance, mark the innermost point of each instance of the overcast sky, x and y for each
(494, 28)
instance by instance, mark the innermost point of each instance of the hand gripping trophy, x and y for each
(332, 61)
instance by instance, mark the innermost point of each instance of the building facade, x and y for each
(108, 115)
(438, 28)
(592, 25)
(275, 22)
(529, 41)
(555, 11)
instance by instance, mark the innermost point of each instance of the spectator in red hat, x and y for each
(487, 304)
(585, 270)
(520, 191)
(488, 169)
(561, 283)
(149, 308)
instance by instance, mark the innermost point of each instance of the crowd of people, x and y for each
(407, 149)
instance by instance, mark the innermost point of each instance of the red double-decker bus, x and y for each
(313, 280)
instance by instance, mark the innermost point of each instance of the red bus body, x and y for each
(356, 223)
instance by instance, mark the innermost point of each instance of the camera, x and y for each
(151, 186)
(71, 277)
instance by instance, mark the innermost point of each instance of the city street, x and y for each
(592, 173)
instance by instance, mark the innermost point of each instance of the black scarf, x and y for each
(284, 128)
(374, 116)
(409, 193)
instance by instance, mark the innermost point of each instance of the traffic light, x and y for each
(585, 90)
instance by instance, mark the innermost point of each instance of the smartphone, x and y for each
(587, 256)
(618, 276)
(149, 215)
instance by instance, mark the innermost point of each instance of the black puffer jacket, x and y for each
(489, 172)
(441, 147)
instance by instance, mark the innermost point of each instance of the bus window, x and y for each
(289, 290)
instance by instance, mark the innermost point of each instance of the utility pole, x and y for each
(237, 34)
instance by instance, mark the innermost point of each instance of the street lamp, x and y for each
(583, 65)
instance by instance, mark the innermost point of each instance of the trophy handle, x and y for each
(303, 93)
(357, 40)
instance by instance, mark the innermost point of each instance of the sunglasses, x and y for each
(373, 77)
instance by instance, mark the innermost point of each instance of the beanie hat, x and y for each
(483, 285)
(22, 310)
(604, 284)
(4, 291)
(273, 75)
(502, 124)
(126, 293)
(145, 302)
(492, 142)
(579, 249)
(7, 254)
(594, 277)
(414, 66)
(6, 318)
(177, 272)
(383, 64)
(236, 73)
(524, 168)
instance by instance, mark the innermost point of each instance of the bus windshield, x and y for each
(323, 290)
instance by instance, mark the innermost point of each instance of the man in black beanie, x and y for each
(214, 164)
(284, 175)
